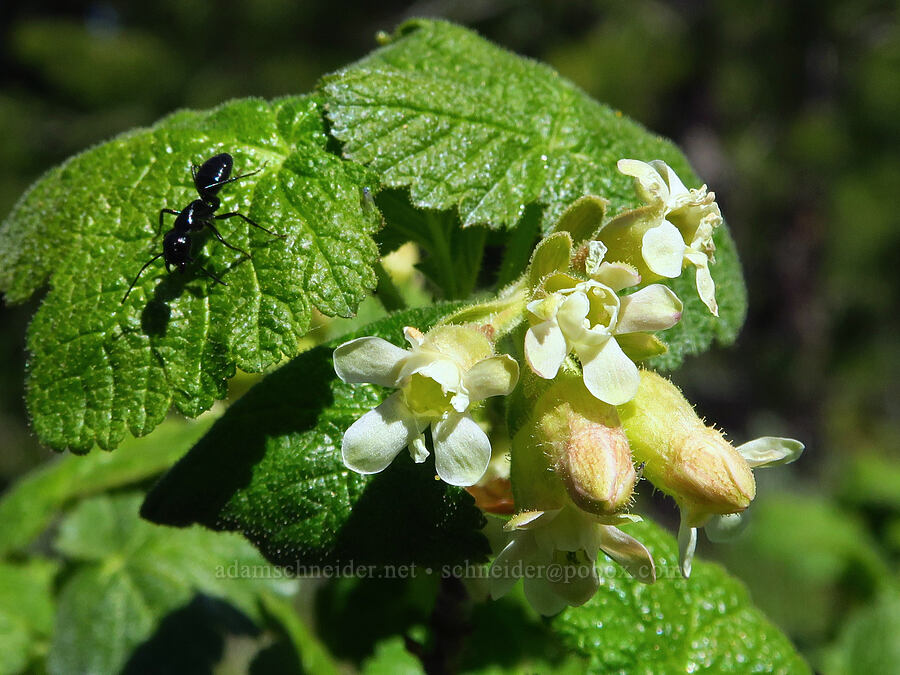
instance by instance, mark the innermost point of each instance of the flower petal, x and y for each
(429, 364)
(527, 520)
(578, 584)
(687, 545)
(675, 186)
(650, 309)
(545, 349)
(502, 576)
(725, 527)
(369, 359)
(413, 336)
(541, 595)
(462, 450)
(596, 252)
(616, 275)
(572, 314)
(650, 184)
(706, 287)
(662, 248)
(629, 553)
(372, 441)
(608, 373)
(770, 451)
(495, 376)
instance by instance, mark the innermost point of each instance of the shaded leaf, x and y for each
(305, 646)
(868, 642)
(799, 554)
(272, 469)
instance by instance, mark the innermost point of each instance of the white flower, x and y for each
(556, 551)
(683, 235)
(585, 317)
(439, 377)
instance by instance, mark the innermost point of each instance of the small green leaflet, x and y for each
(271, 468)
(467, 125)
(98, 367)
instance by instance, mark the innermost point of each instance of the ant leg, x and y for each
(223, 216)
(211, 276)
(146, 265)
(222, 239)
(161, 212)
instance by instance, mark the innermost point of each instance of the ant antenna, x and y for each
(146, 265)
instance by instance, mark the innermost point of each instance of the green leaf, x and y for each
(30, 505)
(705, 623)
(271, 468)
(26, 611)
(392, 658)
(868, 642)
(452, 255)
(132, 574)
(99, 367)
(467, 125)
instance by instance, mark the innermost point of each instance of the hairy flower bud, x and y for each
(586, 446)
(682, 456)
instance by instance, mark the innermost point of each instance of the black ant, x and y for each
(208, 179)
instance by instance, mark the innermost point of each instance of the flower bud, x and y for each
(682, 456)
(586, 446)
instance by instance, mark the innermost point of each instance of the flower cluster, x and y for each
(585, 414)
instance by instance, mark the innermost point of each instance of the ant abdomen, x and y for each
(213, 174)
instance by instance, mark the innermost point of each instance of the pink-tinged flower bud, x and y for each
(586, 446)
(682, 456)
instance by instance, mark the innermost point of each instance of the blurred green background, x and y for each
(790, 112)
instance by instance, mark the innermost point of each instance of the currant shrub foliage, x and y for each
(438, 137)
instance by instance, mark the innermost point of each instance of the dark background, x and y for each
(789, 110)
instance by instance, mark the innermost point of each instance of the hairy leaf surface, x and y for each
(99, 367)
(703, 624)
